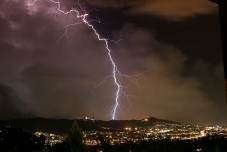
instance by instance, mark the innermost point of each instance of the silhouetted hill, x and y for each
(61, 126)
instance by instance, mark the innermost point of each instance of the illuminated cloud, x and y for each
(53, 79)
(169, 9)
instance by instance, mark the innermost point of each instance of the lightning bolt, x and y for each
(116, 74)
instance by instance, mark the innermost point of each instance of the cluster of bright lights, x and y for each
(116, 74)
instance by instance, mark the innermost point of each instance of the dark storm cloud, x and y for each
(171, 9)
(57, 79)
(45, 73)
(11, 104)
(166, 92)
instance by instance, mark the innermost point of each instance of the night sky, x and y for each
(176, 42)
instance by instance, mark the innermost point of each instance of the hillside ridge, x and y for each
(61, 126)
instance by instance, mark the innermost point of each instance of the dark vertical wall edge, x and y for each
(223, 24)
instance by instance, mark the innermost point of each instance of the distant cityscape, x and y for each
(160, 130)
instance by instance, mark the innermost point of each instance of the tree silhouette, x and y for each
(74, 141)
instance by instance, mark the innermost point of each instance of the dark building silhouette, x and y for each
(223, 24)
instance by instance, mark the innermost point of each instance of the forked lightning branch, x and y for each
(116, 74)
